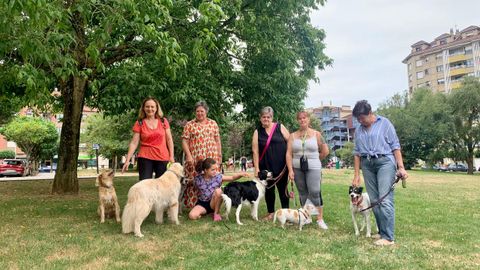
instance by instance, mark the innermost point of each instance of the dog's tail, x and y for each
(228, 204)
(128, 218)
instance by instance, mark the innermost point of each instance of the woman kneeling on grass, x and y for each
(209, 183)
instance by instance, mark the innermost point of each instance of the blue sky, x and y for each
(368, 39)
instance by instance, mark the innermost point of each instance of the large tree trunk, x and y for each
(470, 166)
(66, 180)
(73, 92)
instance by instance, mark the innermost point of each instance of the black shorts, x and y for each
(206, 205)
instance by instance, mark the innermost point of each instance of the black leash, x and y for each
(384, 196)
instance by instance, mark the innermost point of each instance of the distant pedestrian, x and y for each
(243, 164)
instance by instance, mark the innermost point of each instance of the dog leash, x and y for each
(276, 179)
(384, 196)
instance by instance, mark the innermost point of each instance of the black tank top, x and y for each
(274, 158)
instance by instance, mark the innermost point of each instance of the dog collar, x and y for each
(178, 175)
(102, 185)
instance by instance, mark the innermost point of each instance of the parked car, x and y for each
(452, 167)
(47, 168)
(13, 167)
(442, 168)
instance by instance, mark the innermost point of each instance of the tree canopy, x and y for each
(34, 135)
(112, 54)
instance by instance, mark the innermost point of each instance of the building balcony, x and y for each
(458, 57)
(456, 84)
(458, 71)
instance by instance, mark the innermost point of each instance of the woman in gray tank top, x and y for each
(309, 142)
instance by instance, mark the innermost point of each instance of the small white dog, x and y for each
(359, 201)
(301, 216)
(153, 194)
(107, 197)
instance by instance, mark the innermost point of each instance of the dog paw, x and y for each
(239, 223)
(357, 234)
(102, 221)
(119, 221)
(139, 235)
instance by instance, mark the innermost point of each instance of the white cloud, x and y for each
(368, 39)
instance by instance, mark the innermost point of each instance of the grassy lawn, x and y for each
(437, 227)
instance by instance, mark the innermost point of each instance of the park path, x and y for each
(50, 176)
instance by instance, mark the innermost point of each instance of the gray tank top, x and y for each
(311, 151)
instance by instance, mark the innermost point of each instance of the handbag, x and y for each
(303, 158)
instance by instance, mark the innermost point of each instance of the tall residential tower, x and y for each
(441, 64)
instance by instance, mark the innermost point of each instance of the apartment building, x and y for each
(337, 123)
(442, 63)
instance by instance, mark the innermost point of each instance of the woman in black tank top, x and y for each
(274, 158)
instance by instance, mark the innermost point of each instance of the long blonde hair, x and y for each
(141, 112)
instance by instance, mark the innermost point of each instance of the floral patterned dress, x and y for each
(202, 142)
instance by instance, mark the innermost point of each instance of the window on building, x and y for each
(440, 68)
(441, 81)
(456, 51)
(420, 75)
(469, 63)
(419, 63)
(468, 49)
(417, 49)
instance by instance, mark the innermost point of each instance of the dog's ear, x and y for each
(97, 181)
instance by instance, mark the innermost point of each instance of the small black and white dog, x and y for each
(359, 201)
(249, 193)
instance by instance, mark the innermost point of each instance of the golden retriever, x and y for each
(159, 195)
(107, 197)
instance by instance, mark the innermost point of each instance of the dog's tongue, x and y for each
(354, 200)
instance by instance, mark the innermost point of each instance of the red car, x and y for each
(12, 167)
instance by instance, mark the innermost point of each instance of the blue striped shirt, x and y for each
(379, 139)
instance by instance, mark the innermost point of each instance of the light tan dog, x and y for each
(159, 195)
(297, 216)
(108, 202)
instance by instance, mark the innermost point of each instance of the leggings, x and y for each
(270, 193)
(308, 185)
(146, 168)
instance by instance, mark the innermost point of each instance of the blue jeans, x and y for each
(379, 175)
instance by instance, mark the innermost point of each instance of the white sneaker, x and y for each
(322, 224)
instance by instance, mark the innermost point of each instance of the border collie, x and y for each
(249, 193)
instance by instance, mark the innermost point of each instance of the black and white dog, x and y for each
(249, 193)
(359, 201)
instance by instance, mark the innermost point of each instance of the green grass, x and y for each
(437, 227)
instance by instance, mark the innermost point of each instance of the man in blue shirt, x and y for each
(377, 150)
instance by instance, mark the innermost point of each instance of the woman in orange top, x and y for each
(153, 133)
